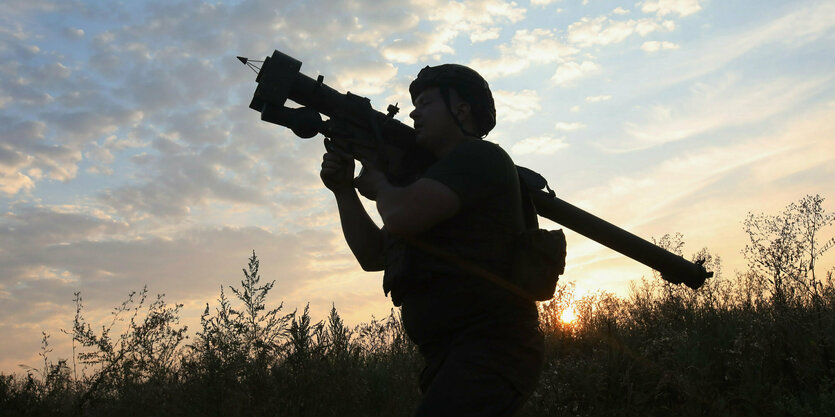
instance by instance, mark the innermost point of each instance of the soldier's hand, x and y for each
(337, 172)
(370, 181)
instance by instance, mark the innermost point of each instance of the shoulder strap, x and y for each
(531, 181)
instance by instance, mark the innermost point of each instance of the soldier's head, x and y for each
(452, 97)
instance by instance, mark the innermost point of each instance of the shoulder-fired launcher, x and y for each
(353, 127)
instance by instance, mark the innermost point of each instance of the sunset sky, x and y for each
(129, 157)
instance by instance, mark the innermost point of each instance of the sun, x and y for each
(568, 315)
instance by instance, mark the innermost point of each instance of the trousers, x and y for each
(466, 381)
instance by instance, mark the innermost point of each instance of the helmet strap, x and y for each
(445, 95)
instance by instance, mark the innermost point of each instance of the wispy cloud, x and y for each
(539, 145)
(480, 20)
(597, 99)
(654, 46)
(368, 78)
(527, 48)
(568, 126)
(27, 156)
(665, 7)
(807, 22)
(516, 106)
(604, 31)
(706, 192)
(569, 72)
(717, 105)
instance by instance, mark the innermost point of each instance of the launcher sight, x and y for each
(353, 127)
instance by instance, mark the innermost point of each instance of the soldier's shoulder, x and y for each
(485, 147)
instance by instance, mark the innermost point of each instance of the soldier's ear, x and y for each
(463, 110)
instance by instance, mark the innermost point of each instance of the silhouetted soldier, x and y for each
(482, 345)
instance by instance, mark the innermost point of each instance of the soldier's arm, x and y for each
(363, 236)
(415, 208)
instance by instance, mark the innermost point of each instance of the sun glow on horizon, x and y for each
(568, 316)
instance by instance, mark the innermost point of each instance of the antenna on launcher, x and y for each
(249, 62)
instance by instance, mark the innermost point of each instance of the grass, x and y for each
(728, 349)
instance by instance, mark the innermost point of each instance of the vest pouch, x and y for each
(538, 262)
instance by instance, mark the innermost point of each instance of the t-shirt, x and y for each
(483, 231)
(441, 304)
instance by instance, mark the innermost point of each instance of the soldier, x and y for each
(481, 344)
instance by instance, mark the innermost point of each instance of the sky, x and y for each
(129, 156)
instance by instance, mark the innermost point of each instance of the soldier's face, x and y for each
(433, 123)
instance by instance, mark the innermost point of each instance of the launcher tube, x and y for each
(672, 267)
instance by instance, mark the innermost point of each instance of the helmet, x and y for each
(468, 84)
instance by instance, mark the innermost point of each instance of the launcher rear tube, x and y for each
(672, 267)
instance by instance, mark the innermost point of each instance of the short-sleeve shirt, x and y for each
(440, 302)
(439, 298)
(485, 180)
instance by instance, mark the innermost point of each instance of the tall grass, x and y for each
(245, 360)
(725, 350)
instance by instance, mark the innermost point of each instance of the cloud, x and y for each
(365, 79)
(485, 35)
(717, 105)
(597, 99)
(654, 46)
(418, 47)
(539, 145)
(74, 33)
(476, 13)
(479, 19)
(80, 126)
(527, 48)
(385, 19)
(516, 106)
(23, 92)
(15, 12)
(26, 156)
(620, 11)
(805, 23)
(14, 182)
(664, 7)
(91, 246)
(569, 72)
(568, 127)
(603, 31)
(179, 182)
(258, 166)
(166, 77)
(29, 230)
(707, 191)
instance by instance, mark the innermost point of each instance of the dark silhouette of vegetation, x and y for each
(756, 344)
